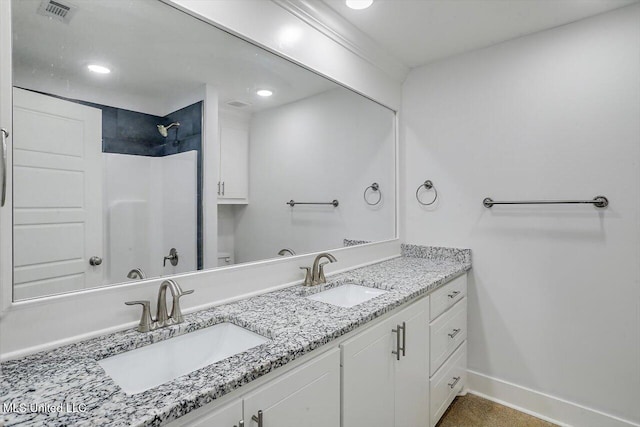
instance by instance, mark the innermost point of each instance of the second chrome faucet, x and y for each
(315, 274)
(163, 318)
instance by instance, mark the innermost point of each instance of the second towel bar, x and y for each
(292, 203)
(598, 202)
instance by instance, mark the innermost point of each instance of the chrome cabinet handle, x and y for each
(5, 135)
(257, 419)
(95, 261)
(397, 352)
(218, 188)
(404, 337)
(454, 333)
(453, 294)
(240, 423)
(454, 382)
(398, 346)
(223, 188)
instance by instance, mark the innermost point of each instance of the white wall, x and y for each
(329, 146)
(554, 294)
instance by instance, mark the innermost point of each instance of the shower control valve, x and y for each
(172, 257)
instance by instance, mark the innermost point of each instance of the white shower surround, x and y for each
(150, 207)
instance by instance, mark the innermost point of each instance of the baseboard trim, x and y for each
(540, 405)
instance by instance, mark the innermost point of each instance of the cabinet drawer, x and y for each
(448, 382)
(446, 334)
(448, 295)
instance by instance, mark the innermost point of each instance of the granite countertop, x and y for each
(70, 376)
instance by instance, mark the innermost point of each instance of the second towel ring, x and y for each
(428, 185)
(374, 187)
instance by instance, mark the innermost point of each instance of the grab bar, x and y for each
(292, 203)
(598, 202)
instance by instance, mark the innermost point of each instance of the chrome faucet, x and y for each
(137, 273)
(282, 252)
(162, 319)
(315, 274)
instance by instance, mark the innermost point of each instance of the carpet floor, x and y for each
(474, 411)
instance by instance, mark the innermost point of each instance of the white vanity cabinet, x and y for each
(225, 416)
(308, 395)
(381, 387)
(402, 371)
(448, 350)
(233, 178)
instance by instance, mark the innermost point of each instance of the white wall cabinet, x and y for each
(385, 372)
(233, 179)
(308, 395)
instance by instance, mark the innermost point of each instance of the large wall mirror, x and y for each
(148, 143)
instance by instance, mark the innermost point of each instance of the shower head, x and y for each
(164, 129)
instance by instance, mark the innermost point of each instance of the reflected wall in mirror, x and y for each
(144, 145)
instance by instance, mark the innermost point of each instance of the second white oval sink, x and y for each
(348, 295)
(138, 370)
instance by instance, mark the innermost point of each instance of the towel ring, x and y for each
(428, 185)
(374, 187)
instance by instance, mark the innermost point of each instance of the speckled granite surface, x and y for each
(436, 253)
(352, 242)
(69, 376)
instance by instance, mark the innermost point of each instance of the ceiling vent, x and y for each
(57, 10)
(238, 104)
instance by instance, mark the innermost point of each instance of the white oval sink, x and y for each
(348, 295)
(141, 369)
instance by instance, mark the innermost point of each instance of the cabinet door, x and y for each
(228, 415)
(307, 396)
(368, 371)
(234, 163)
(412, 370)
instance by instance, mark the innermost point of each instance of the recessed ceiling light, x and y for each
(359, 4)
(264, 92)
(98, 69)
(289, 35)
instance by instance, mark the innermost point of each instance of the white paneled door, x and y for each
(57, 195)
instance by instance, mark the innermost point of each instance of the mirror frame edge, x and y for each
(6, 122)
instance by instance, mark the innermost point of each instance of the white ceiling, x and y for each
(421, 31)
(160, 58)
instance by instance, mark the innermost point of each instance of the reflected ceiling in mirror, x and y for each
(148, 143)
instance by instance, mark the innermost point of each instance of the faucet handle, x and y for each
(146, 321)
(176, 312)
(307, 277)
